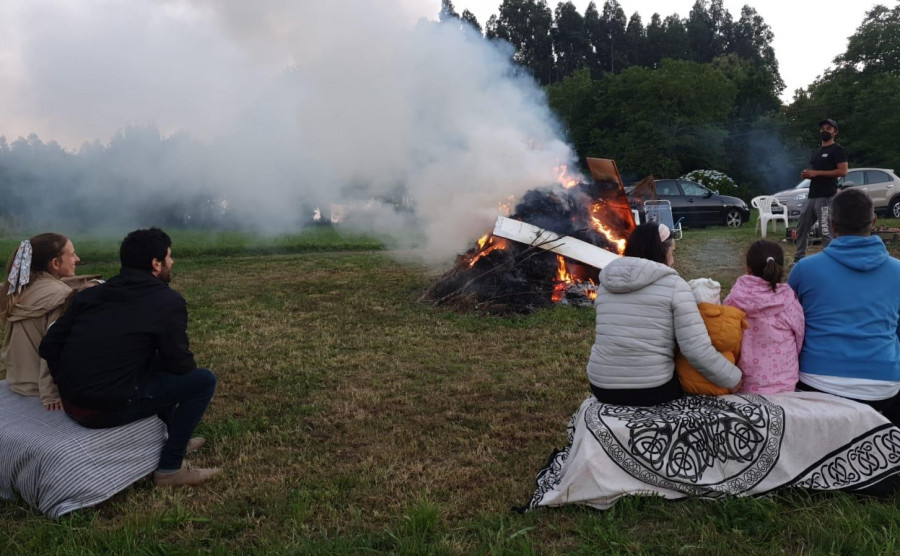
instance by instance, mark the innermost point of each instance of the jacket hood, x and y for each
(755, 296)
(861, 253)
(129, 284)
(629, 274)
(44, 294)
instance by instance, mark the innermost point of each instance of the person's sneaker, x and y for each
(186, 476)
(195, 444)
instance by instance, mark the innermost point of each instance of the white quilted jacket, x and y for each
(644, 311)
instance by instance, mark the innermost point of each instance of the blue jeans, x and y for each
(179, 400)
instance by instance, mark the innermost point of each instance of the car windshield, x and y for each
(802, 185)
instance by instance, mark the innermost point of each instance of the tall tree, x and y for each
(636, 42)
(656, 34)
(875, 46)
(570, 42)
(752, 39)
(595, 32)
(675, 43)
(447, 11)
(613, 17)
(701, 33)
(723, 23)
(526, 25)
(470, 18)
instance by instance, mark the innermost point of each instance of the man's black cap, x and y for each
(830, 122)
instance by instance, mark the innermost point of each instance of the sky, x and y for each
(808, 33)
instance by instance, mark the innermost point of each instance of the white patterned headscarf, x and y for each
(21, 270)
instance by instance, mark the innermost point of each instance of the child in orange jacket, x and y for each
(726, 327)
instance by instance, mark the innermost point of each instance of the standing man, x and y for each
(827, 165)
(120, 354)
(851, 301)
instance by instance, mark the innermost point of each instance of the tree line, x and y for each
(702, 91)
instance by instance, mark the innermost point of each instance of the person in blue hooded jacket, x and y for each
(850, 293)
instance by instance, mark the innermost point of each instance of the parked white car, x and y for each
(882, 186)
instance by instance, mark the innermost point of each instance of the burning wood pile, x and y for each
(550, 250)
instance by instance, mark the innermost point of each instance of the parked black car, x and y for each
(697, 205)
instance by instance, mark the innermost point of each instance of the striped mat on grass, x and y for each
(58, 466)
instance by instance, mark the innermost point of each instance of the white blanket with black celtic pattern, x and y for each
(707, 446)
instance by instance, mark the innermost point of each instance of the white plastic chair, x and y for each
(661, 211)
(764, 204)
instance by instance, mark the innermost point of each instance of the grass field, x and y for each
(352, 419)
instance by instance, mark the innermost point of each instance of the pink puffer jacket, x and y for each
(770, 347)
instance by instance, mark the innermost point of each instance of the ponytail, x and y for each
(765, 259)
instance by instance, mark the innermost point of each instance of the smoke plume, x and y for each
(254, 113)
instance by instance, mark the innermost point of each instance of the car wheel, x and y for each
(894, 210)
(733, 218)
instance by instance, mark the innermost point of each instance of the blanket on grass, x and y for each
(710, 447)
(58, 466)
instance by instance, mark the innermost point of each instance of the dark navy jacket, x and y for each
(114, 336)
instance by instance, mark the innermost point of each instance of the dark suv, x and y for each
(697, 205)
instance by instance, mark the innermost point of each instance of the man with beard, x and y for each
(826, 165)
(120, 354)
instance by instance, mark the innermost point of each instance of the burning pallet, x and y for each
(550, 250)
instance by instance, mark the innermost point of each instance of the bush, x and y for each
(713, 179)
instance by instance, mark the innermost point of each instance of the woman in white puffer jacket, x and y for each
(645, 311)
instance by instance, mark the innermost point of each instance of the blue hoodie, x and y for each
(850, 295)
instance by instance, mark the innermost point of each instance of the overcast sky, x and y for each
(808, 33)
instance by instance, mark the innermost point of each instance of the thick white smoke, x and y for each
(280, 105)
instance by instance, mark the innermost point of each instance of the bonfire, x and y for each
(499, 275)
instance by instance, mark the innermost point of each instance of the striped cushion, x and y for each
(58, 466)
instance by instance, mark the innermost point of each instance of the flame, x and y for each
(565, 179)
(600, 227)
(563, 279)
(486, 244)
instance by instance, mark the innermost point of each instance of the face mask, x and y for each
(826, 136)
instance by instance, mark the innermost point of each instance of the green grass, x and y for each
(189, 244)
(352, 419)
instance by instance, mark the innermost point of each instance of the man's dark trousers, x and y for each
(178, 399)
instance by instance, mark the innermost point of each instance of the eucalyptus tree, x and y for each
(470, 18)
(570, 42)
(526, 25)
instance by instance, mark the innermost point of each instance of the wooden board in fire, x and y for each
(500, 276)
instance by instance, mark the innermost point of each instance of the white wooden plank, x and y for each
(566, 246)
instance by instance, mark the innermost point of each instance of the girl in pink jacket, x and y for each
(770, 347)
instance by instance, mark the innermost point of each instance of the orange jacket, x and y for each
(726, 326)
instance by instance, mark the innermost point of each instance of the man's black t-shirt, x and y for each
(826, 158)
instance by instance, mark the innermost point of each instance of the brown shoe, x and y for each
(186, 476)
(195, 444)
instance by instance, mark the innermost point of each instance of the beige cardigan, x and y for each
(43, 301)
